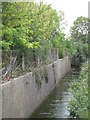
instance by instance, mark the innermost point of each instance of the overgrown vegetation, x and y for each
(36, 72)
(40, 74)
(32, 29)
(79, 34)
(78, 105)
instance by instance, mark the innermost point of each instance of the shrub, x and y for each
(78, 105)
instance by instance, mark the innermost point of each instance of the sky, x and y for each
(71, 8)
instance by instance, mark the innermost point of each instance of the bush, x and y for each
(78, 105)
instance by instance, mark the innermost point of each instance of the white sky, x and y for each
(71, 8)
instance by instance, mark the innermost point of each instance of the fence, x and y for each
(16, 63)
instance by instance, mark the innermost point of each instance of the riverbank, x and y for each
(55, 106)
(22, 95)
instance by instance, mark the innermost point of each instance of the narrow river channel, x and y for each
(55, 105)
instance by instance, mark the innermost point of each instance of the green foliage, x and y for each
(40, 73)
(80, 29)
(81, 51)
(58, 41)
(70, 46)
(78, 105)
(79, 33)
(27, 25)
(31, 26)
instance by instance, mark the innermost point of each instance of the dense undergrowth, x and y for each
(32, 33)
(78, 105)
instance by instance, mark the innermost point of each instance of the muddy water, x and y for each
(55, 105)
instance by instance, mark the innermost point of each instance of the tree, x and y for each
(30, 27)
(79, 30)
(79, 33)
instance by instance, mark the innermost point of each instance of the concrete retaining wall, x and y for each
(21, 96)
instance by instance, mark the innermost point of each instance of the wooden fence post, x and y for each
(10, 60)
(66, 52)
(38, 61)
(57, 54)
(0, 59)
(23, 62)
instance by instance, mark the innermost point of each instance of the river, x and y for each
(55, 105)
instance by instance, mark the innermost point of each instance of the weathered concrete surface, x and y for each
(0, 103)
(21, 96)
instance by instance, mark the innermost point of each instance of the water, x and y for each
(55, 105)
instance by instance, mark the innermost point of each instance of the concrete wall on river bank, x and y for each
(22, 95)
